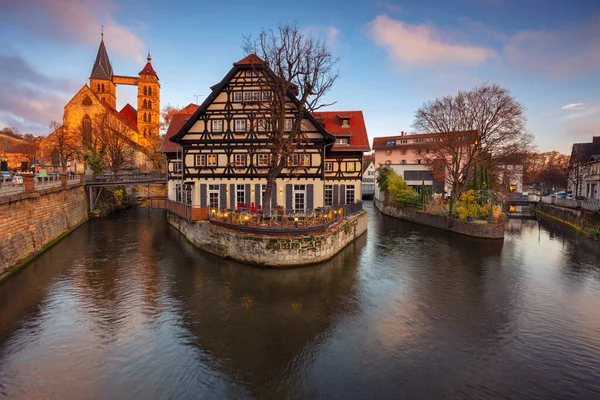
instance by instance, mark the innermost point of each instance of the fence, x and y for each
(47, 182)
(126, 178)
(28, 183)
(10, 188)
(588, 205)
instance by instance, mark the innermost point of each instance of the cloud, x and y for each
(559, 53)
(329, 33)
(29, 99)
(390, 7)
(580, 110)
(75, 21)
(332, 34)
(423, 45)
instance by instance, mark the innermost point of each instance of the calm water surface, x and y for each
(125, 308)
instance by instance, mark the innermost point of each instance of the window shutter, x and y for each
(274, 199)
(203, 195)
(223, 195)
(247, 198)
(310, 190)
(257, 195)
(336, 196)
(288, 197)
(232, 196)
(342, 194)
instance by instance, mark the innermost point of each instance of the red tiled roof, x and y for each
(380, 142)
(130, 115)
(356, 133)
(367, 160)
(21, 148)
(249, 60)
(176, 124)
(148, 70)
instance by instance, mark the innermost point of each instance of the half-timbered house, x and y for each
(219, 154)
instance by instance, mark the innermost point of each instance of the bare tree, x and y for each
(111, 134)
(549, 170)
(490, 111)
(62, 144)
(297, 70)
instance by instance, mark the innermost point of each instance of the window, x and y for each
(240, 160)
(145, 90)
(388, 162)
(247, 96)
(350, 166)
(300, 160)
(149, 91)
(264, 160)
(251, 72)
(183, 193)
(150, 104)
(262, 125)
(350, 194)
(145, 118)
(86, 130)
(287, 125)
(87, 101)
(328, 195)
(255, 96)
(240, 125)
(237, 96)
(390, 143)
(103, 88)
(299, 194)
(403, 161)
(345, 123)
(201, 160)
(403, 151)
(240, 195)
(217, 125)
(149, 117)
(328, 166)
(177, 166)
(388, 152)
(266, 95)
(403, 141)
(211, 160)
(418, 161)
(341, 141)
(213, 197)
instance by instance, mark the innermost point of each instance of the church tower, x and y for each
(148, 110)
(101, 79)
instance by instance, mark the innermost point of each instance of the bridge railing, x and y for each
(588, 205)
(126, 178)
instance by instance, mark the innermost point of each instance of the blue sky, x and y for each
(394, 55)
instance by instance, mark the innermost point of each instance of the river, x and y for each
(124, 307)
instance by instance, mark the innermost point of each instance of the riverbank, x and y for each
(475, 229)
(31, 223)
(583, 222)
(272, 251)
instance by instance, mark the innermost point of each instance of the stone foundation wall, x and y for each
(580, 218)
(272, 251)
(31, 222)
(476, 229)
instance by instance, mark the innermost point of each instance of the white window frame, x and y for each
(240, 189)
(250, 73)
(328, 189)
(266, 95)
(350, 189)
(211, 160)
(342, 141)
(216, 125)
(262, 125)
(200, 160)
(300, 160)
(350, 163)
(240, 160)
(287, 124)
(213, 189)
(263, 160)
(300, 190)
(243, 125)
(177, 166)
(238, 97)
(256, 96)
(247, 96)
(328, 166)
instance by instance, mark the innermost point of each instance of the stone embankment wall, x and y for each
(272, 251)
(577, 218)
(31, 222)
(476, 229)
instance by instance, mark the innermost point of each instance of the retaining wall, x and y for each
(272, 251)
(31, 222)
(476, 229)
(579, 218)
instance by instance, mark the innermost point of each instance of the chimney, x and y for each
(596, 139)
(402, 134)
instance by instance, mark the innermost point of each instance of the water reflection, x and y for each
(126, 308)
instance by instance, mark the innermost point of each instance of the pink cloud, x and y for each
(557, 53)
(423, 45)
(77, 21)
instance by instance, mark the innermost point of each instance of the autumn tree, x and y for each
(111, 136)
(61, 144)
(297, 70)
(493, 127)
(166, 116)
(546, 170)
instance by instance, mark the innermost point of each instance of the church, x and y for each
(93, 110)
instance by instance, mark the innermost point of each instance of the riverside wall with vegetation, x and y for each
(32, 222)
(480, 229)
(582, 221)
(272, 251)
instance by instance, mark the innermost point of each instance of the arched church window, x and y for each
(150, 104)
(103, 88)
(98, 88)
(149, 117)
(145, 104)
(86, 130)
(55, 158)
(145, 132)
(145, 117)
(145, 90)
(149, 91)
(87, 101)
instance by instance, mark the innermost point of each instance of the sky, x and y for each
(394, 55)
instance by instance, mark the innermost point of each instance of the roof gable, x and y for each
(356, 131)
(177, 122)
(102, 68)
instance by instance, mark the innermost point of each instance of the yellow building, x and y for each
(97, 102)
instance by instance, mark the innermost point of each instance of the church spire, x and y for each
(102, 68)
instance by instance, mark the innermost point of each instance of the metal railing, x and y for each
(8, 188)
(588, 205)
(126, 178)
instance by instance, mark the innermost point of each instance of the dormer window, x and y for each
(345, 123)
(341, 141)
